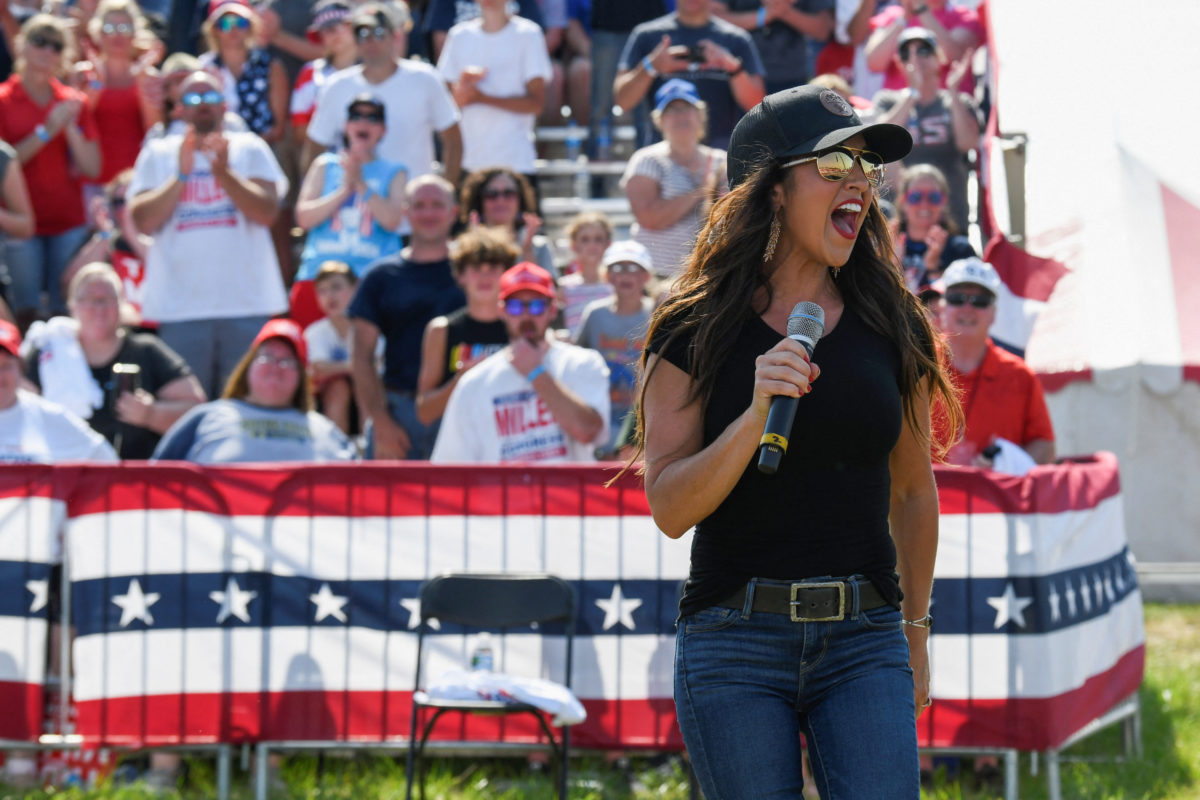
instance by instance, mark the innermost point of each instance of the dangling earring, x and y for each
(772, 239)
(836, 270)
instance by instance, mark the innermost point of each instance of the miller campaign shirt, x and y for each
(209, 261)
(495, 415)
(34, 430)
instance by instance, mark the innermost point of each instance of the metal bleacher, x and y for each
(570, 185)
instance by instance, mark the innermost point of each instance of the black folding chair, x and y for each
(493, 603)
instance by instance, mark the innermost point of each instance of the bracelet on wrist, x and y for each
(924, 622)
(181, 176)
(741, 67)
(535, 373)
(762, 16)
(41, 133)
(648, 65)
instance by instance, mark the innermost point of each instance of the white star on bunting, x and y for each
(1054, 597)
(41, 594)
(618, 610)
(234, 601)
(413, 606)
(1085, 593)
(135, 604)
(329, 604)
(1070, 595)
(1009, 607)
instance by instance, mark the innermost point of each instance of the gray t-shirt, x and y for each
(932, 130)
(234, 431)
(619, 338)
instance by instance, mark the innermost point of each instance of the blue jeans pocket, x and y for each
(883, 618)
(710, 619)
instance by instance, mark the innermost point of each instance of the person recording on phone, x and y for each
(717, 56)
(129, 387)
(806, 610)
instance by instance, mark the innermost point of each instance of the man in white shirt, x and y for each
(417, 103)
(497, 67)
(538, 399)
(208, 197)
(34, 430)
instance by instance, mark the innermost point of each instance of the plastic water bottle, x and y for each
(574, 135)
(482, 656)
(604, 140)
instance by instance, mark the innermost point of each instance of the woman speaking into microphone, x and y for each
(806, 610)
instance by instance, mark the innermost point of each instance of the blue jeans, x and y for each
(747, 684)
(402, 406)
(37, 264)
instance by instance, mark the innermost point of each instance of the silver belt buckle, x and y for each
(839, 585)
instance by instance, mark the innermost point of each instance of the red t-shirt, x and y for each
(118, 114)
(951, 17)
(1001, 397)
(54, 183)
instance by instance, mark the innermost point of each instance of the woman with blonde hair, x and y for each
(256, 84)
(52, 128)
(130, 387)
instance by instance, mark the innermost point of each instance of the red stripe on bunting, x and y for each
(22, 704)
(367, 490)
(1030, 723)
(349, 716)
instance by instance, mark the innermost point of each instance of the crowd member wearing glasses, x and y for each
(83, 363)
(208, 198)
(1001, 396)
(419, 106)
(672, 184)
(351, 204)
(500, 197)
(264, 414)
(255, 85)
(497, 66)
(615, 327)
(927, 239)
(331, 25)
(456, 342)
(167, 92)
(590, 234)
(793, 617)
(944, 123)
(54, 133)
(396, 300)
(538, 399)
(955, 27)
(115, 81)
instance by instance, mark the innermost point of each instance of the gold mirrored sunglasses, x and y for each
(837, 163)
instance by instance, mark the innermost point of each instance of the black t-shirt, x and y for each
(825, 512)
(711, 84)
(914, 258)
(467, 337)
(159, 365)
(400, 297)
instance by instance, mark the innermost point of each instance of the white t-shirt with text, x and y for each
(35, 430)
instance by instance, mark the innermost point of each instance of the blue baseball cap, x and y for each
(676, 89)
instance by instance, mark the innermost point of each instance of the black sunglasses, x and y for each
(960, 299)
(365, 116)
(40, 41)
(514, 307)
(921, 49)
(495, 194)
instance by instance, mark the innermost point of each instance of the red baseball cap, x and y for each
(526, 276)
(287, 330)
(10, 338)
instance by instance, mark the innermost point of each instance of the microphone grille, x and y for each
(806, 322)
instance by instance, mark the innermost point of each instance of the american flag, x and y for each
(280, 603)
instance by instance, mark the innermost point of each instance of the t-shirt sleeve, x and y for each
(326, 115)
(589, 380)
(535, 62)
(584, 336)
(675, 349)
(635, 50)
(258, 162)
(449, 64)
(176, 443)
(445, 110)
(643, 163)
(147, 171)
(365, 302)
(1037, 415)
(164, 364)
(744, 48)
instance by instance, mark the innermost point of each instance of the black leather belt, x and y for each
(811, 601)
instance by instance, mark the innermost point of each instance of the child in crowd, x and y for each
(590, 234)
(616, 327)
(328, 340)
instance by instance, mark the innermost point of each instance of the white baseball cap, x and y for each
(971, 270)
(629, 250)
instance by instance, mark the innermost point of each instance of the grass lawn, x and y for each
(1170, 769)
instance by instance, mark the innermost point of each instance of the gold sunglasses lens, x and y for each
(834, 165)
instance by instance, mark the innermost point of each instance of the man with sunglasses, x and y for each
(208, 198)
(539, 399)
(1001, 396)
(944, 123)
(418, 103)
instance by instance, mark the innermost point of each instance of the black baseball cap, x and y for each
(366, 99)
(803, 120)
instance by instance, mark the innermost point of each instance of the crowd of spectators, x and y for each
(176, 177)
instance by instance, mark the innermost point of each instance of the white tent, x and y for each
(1106, 95)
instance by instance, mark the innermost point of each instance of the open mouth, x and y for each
(845, 218)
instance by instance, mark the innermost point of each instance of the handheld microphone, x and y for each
(805, 325)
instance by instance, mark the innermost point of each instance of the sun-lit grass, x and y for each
(1170, 769)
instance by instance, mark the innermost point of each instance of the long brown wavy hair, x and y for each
(724, 280)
